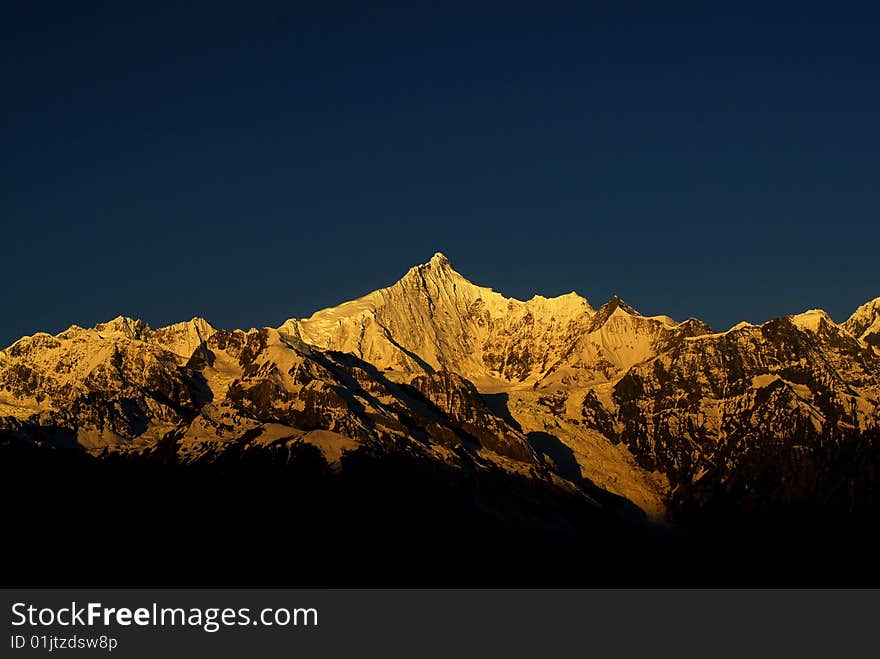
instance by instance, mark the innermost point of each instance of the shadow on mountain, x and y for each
(561, 455)
(498, 403)
(201, 390)
(425, 366)
(422, 418)
(831, 475)
(49, 435)
(567, 466)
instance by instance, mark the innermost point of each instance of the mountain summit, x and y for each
(435, 319)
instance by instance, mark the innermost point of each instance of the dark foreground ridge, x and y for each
(288, 519)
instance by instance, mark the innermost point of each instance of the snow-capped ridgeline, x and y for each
(446, 367)
(434, 318)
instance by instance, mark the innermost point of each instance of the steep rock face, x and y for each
(710, 399)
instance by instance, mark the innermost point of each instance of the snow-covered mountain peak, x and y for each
(617, 303)
(439, 259)
(437, 263)
(864, 324)
(131, 328)
(437, 279)
(614, 306)
(865, 315)
(434, 318)
(811, 319)
(567, 304)
(182, 338)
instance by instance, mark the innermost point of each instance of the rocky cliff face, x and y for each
(603, 403)
(703, 404)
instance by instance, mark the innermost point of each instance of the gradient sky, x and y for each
(252, 164)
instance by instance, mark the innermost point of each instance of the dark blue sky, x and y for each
(252, 164)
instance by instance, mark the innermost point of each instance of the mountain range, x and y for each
(547, 416)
